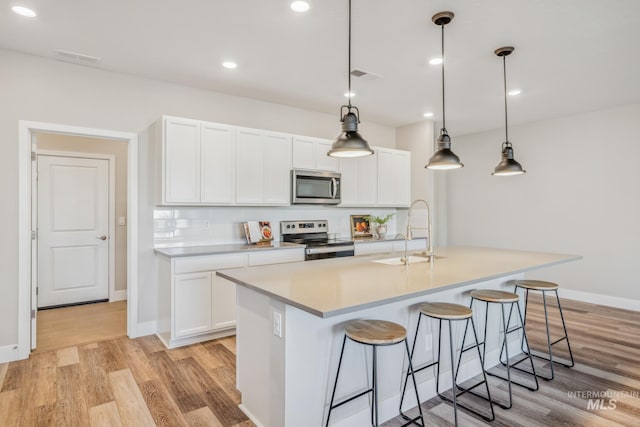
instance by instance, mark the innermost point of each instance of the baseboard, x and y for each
(8, 353)
(147, 328)
(617, 302)
(250, 415)
(118, 296)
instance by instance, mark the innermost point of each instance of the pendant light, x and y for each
(443, 158)
(508, 165)
(350, 143)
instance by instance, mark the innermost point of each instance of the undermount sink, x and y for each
(400, 261)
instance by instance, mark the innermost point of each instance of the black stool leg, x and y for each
(413, 349)
(546, 324)
(566, 335)
(335, 384)
(453, 377)
(374, 406)
(415, 386)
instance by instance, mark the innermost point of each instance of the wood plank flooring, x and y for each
(124, 382)
(81, 324)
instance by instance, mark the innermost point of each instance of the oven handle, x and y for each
(329, 249)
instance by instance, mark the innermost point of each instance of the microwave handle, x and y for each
(334, 188)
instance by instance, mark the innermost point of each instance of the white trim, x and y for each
(25, 129)
(249, 415)
(119, 295)
(610, 301)
(8, 353)
(112, 204)
(147, 328)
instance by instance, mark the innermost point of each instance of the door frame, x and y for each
(26, 129)
(112, 209)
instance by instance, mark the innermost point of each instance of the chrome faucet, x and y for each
(429, 253)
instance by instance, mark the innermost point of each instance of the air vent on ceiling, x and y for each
(76, 57)
(365, 75)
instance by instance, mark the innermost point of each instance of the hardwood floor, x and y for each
(81, 324)
(123, 382)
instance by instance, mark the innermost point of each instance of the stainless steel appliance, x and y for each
(314, 235)
(315, 187)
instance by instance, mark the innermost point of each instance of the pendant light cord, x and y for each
(504, 73)
(444, 127)
(349, 61)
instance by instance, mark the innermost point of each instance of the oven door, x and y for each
(325, 252)
(315, 187)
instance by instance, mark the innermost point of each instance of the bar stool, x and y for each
(544, 287)
(374, 333)
(449, 312)
(489, 296)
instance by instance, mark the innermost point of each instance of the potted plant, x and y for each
(379, 224)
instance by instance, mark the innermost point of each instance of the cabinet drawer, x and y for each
(276, 257)
(373, 248)
(209, 263)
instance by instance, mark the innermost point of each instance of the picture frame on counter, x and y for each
(360, 226)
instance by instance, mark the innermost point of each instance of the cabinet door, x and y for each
(368, 180)
(349, 181)
(181, 161)
(303, 150)
(277, 169)
(402, 175)
(394, 177)
(223, 302)
(250, 162)
(323, 161)
(192, 304)
(386, 170)
(217, 164)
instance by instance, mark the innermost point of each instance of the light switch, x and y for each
(122, 220)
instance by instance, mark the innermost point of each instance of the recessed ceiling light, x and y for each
(24, 11)
(514, 92)
(349, 94)
(300, 6)
(435, 61)
(428, 114)
(230, 65)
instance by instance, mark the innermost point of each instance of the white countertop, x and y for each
(337, 286)
(183, 251)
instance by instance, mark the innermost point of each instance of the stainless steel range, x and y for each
(314, 234)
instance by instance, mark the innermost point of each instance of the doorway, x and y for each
(28, 273)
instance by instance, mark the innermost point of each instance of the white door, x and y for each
(73, 230)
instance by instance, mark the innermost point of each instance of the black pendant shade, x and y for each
(508, 166)
(350, 143)
(443, 158)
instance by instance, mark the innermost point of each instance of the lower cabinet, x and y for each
(388, 246)
(194, 303)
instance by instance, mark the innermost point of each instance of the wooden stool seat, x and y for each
(537, 285)
(445, 310)
(377, 332)
(491, 295)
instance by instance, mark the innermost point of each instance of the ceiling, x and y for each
(571, 55)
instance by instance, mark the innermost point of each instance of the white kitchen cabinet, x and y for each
(311, 153)
(389, 246)
(263, 165)
(194, 303)
(394, 177)
(197, 162)
(359, 181)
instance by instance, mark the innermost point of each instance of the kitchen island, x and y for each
(291, 323)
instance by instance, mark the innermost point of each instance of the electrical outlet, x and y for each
(277, 324)
(122, 220)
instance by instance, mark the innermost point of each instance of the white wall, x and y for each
(43, 90)
(580, 195)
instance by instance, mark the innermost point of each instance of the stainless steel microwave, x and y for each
(315, 187)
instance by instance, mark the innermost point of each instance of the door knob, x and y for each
(103, 237)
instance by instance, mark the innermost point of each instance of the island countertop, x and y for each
(332, 287)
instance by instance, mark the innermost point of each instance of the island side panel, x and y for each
(260, 358)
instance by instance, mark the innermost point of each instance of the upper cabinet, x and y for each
(394, 177)
(359, 180)
(197, 162)
(263, 168)
(211, 164)
(311, 153)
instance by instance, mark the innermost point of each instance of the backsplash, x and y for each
(195, 226)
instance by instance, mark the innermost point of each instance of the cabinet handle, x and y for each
(103, 237)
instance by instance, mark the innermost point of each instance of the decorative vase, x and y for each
(381, 230)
